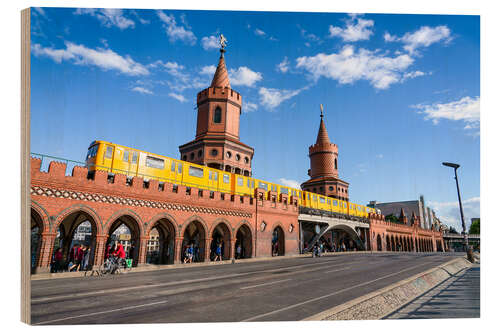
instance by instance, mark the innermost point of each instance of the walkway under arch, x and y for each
(195, 234)
(125, 230)
(76, 228)
(278, 242)
(221, 233)
(160, 249)
(36, 238)
(244, 241)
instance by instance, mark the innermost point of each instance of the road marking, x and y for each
(166, 284)
(331, 294)
(337, 270)
(100, 312)
(264, 284)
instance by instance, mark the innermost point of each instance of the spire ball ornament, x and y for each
(321, 108)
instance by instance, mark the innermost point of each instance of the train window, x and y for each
(216, 175)
(240, 181)
(179, 168)
(195, 172)
(308, 196)
(125, 156)
(263, 185)
(109, 152)
(315, 198)
(284, 190)
(92, 152)
(253, 183)
(134, 157)
(173, 167)
(329, 202)
(155, 162)
(225, 179)
(321, 200)
(335, 202)
(248, 183)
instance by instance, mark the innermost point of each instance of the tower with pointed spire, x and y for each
(324, 174)
(217, 142)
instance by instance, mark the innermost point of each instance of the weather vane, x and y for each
(321, 107)
(222, 41)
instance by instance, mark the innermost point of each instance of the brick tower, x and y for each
(217, 142)
(324, 167)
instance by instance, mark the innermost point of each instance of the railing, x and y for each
(46, 159)
(320, 212)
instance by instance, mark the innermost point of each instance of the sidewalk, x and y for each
(456, 297)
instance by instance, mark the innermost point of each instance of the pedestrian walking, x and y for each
(73, 258)
(218, 252)
(238, 251)
(86, 256)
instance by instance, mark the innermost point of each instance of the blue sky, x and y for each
(401, 92)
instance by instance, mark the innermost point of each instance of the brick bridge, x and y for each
(180, 214)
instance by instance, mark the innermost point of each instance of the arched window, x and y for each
(217, 115)
(335, 164)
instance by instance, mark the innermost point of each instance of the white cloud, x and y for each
(208, 70)
(449, 212)
(249, 107)
(259, 32)
(271, 98)
(211, 42)
(176, 32)
(178, 97)
(289, 182)
(356, 29)
(142, 90)
(414, 74)
(108, 17)
(349, 66)
(244, 76)
(283, 66)
(423, 37)
(105, 59)
(143, 21)
(40, 11)
(466, 109)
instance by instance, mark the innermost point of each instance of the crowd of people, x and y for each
(79, 256)
(322, 246)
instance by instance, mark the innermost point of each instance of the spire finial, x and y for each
(223, 43)
(321, 108)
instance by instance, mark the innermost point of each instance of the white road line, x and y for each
(337, 270)
(264, 284)
(166, 284)
(98, 313)
(329, 295)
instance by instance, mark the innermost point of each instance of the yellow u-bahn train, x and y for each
(117, 159)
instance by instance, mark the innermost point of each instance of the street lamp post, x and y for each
(455, 167)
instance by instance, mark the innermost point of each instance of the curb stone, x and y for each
(380, 303)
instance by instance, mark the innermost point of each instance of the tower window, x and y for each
(191, 156)
(217, 115)
(228, 154)
(335, 164)
(246, 160)
(214, 152)
(199, 153)
(238, 157)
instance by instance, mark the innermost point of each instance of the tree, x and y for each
(452, 230)
(474, 227)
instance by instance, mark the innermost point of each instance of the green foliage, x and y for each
(474, 227)
(392, 218)
(452, 230)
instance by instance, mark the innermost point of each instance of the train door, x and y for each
(108, 158)
(213, 178)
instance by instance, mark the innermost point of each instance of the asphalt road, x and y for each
(275, 290)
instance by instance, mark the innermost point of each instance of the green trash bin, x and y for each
(129, 263)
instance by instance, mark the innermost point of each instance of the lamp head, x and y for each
(451, 165)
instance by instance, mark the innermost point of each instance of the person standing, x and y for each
(86, 255)
(238, 251)
(218, 252)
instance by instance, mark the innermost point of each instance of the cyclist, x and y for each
(119, 253)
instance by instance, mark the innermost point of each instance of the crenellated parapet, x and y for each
(219, 93)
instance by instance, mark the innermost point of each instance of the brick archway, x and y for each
(221, 231)
(244, 238)
(278, 240)
(37, 229)
(135, 245)
(195, 232)
(160, 248)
